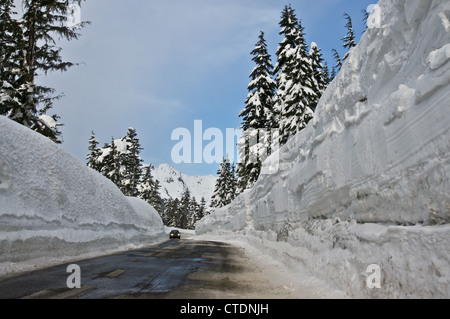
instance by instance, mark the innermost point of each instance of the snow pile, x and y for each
(367, 182)
(53, 207)
(174, 184)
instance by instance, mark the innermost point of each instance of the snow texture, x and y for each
(54, 208)
(367, 181)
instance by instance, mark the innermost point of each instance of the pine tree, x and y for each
(36, 53)
(149, 189)
(339, 63)
(299, 97)
(171, 213)
(11, 38)
(289, 31)
(112, 164)
(349, 39)
(202, 212)
(319, 74)
(132, 167)
(258, 112)
(225, 189)
(233, 183)
(333, 74)
(192, 213)
(94, 154)
(183, 213)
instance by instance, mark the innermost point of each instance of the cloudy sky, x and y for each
(160, 65)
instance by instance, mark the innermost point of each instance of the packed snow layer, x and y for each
(53, 207)
(367, 182)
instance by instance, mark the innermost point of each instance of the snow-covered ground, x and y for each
(367, 182)
(53, 208)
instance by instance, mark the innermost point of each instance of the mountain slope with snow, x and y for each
(174, 184)
(54, 208)
(367, 182)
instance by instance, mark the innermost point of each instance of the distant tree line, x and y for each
(120, 162)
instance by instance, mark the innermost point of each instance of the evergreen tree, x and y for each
(112, 164)
(36, 53)
(349, 39)
(149, 189)
(326, 75)
(333, 74)
(10, 58)
(233, 183)
(202, 211)
(258, 112)
(289, 31)
(225, 189)
(183, 213)
(339, 63)
(319, 74)
(94, 154)
(296, 110)
(171, 213)
(132, 167)
(192, 214)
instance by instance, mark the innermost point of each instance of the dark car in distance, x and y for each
(175, 234)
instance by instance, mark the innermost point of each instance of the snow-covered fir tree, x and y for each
(320, 74)
(300, 96)
(258, 112)
(171, 213)
(112, 164)
(149, 189)
(10, 58)
(94, 153)
(289, 31)
(132, 164)
(42, 23)
(349, 39)
(225, 189)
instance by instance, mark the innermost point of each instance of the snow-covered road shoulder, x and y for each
(54, 208)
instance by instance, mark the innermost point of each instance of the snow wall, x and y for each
(367, 182)
(53, 207)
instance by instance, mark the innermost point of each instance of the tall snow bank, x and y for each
(367, 182)
(53, 207)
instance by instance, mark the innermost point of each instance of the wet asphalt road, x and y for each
(173, 269)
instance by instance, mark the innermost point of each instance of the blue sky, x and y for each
(160, 65)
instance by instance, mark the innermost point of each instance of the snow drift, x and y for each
(53, 207)
(367, 182)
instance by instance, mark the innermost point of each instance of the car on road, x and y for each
(175, 234)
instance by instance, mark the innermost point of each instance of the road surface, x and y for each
(183, 268)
